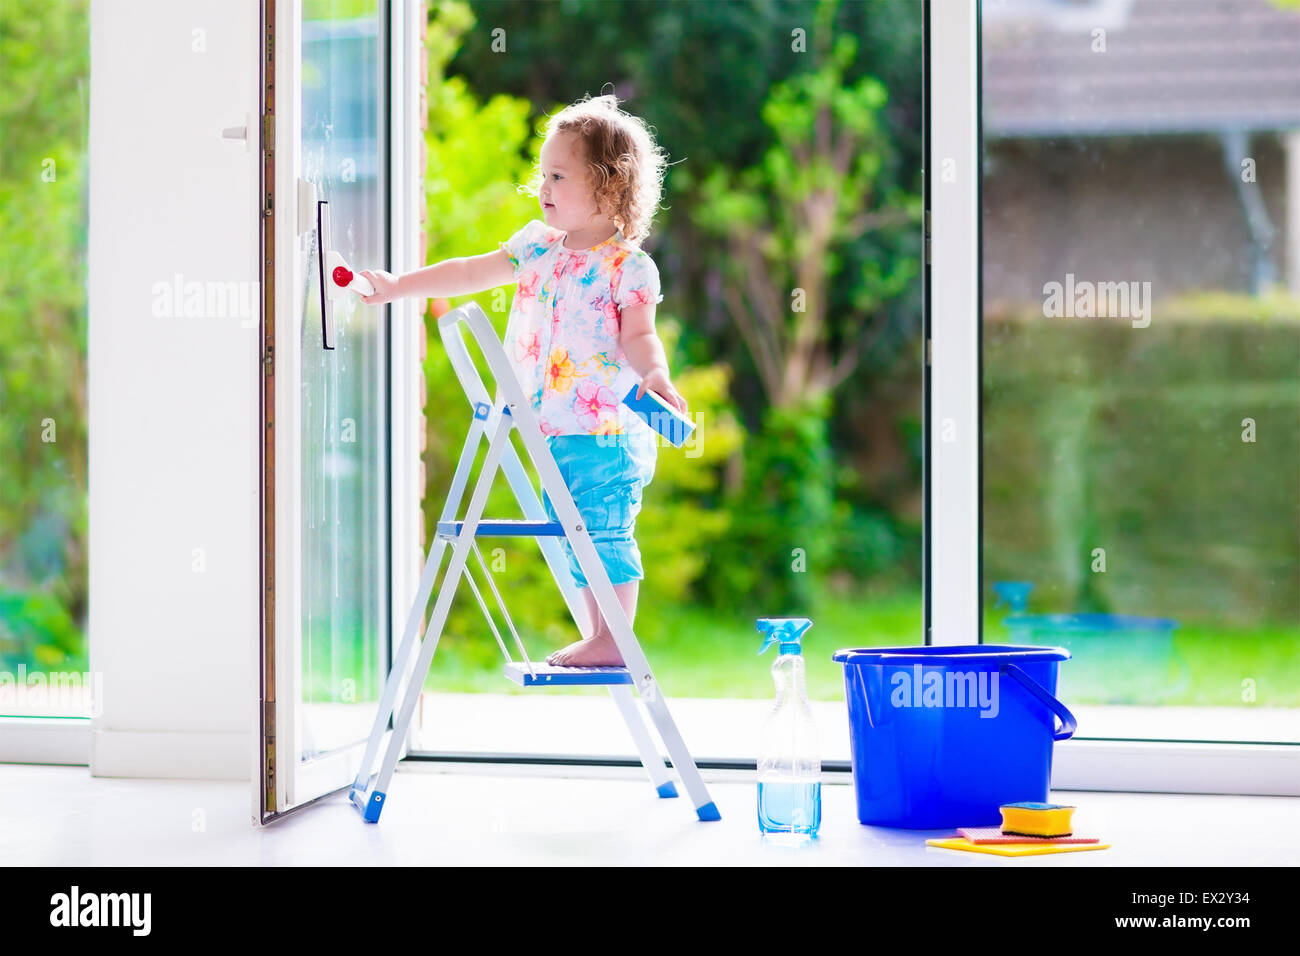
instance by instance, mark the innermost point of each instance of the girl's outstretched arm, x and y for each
(445, 279)
(645, 353)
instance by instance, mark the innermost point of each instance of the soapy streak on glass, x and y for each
(344, 425)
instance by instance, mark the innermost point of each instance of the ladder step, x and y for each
(504, 527)
(550, 675)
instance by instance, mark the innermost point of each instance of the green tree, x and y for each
(783, 220)
(479, 152)
(701, 74)
(783, 224)
(44, 59)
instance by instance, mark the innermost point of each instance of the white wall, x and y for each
(173, 399)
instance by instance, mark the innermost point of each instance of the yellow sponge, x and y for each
(1036, 819)
(1015, 849)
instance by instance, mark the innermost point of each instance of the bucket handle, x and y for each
(1068, 723)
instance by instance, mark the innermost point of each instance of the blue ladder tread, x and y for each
(551, 675)
(504, 527)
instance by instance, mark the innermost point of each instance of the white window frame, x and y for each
(954, 435)
(407, 331)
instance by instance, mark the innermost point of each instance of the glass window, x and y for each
(1141, 359)
(792, 319)
(44, 665)
(345, 538)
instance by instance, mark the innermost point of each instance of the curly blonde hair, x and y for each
(624, 164)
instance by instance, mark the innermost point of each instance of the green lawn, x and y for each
(1209, 666)
(696, 654)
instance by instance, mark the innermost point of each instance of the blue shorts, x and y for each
(605, 475)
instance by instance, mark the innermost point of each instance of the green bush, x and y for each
(784, 517)
(43, 476)
(1099, 435)
(36, 630)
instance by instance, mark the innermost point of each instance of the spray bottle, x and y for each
(789, 762)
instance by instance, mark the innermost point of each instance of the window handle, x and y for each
(237, 133)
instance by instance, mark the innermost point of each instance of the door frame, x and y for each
(283, 785)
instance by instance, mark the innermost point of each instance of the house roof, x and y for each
(1169, 66)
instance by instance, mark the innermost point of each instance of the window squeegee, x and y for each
(335, 276)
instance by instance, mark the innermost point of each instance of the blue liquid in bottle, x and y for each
(789, 807)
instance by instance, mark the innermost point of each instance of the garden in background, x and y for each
(789, 249)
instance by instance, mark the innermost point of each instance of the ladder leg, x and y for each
(616, 618)
(371, 803)
(642, 677)
(397, 666)
(660, 778)
(682, 760)
(374, 800)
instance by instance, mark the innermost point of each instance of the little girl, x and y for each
(581, 331)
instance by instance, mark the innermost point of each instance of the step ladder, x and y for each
(494, 420)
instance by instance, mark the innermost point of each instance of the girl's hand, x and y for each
(657, 381)
(385, 284)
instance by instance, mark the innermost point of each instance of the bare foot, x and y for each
(600, 651)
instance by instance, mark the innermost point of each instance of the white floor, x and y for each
(476, 815)
(588, 724)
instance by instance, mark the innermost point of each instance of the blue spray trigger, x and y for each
(787, 631)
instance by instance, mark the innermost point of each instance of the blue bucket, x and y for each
(943, 736)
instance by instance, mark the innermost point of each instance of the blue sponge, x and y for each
(660, 416)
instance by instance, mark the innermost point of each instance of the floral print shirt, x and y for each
(562, 336)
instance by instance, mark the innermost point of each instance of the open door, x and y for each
(327, 547)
